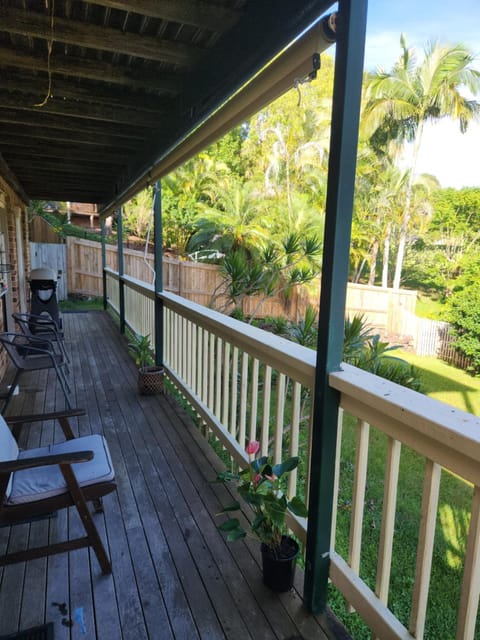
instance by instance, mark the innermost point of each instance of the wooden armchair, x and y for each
(37, 482)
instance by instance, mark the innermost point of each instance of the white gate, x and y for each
(53, 256)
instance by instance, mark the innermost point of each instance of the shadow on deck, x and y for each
(173, 574)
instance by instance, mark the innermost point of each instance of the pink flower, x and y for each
(252, 447)
(272, 478)
(257, 479)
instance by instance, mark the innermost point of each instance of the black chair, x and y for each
(37, 482)
(31, 353)
(42, 326)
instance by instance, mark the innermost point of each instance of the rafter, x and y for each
(22, 135)
(92, 36)
(199, 14)
(81, 110)
(156, 81)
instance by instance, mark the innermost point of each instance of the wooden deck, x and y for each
(173, 574)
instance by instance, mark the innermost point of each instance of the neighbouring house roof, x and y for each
(96, 95)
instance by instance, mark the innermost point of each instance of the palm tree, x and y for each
(399, 103)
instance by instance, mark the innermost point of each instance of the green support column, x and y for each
(351, 25)
(104, 264)
(158, 265)
(121, 285)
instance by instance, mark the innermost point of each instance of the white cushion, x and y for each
(39, 483)
(8, 448)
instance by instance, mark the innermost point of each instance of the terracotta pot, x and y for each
(279, 564)
(150, 380)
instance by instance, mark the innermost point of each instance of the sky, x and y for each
(452, 157)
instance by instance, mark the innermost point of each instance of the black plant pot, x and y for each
(279, 564)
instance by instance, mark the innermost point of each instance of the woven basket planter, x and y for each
(150, 381)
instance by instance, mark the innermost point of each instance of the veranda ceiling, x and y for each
(96, 94)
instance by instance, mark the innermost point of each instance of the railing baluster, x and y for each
(358, 500)
(194, 364)
(279, 414)
(189, 363)
(426, 538)
(388, 519)
(467, 614)
(211, 373)
(294, 437)
(234, 393)
(198, 388)
(226, 384)
(336, 479)
(254, 400)
(267, 392)
(242, 434)
(205, 360)
(218, 378)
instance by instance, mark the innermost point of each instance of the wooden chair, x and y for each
(36, 482)
(29, 353)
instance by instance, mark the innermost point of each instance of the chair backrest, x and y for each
(8, 450)
(14, 344)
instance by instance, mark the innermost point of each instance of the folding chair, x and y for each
(42, 326)
(36, 482)
(29, 353)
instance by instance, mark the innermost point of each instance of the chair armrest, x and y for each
(17, 422)
(40, 417)
(44, 461)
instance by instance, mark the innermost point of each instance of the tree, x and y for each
(401, 101)
(464, 316)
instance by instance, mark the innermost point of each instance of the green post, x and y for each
(158, 265)
(121, 285)
(351, 25)
(104, 264)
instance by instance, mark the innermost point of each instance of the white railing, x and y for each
(247, 384)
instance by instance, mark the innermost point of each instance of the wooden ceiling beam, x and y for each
(82, 111)
(22, 136)
(199, 14)
(71, 167)
(13, 149)
(155, 81)
(35, 85)
(47, 121)
(92, 36)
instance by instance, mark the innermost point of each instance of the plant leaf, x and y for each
(284, 467)
(229, 525)
(236, 535)
(297, 507)
(234, 506)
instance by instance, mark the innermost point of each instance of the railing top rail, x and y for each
(288, 357)
(442, 433)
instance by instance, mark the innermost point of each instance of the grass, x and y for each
(429, 307)
(81, 303)
(447, 384)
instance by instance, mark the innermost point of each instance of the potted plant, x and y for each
(150, 375)
(262, 486)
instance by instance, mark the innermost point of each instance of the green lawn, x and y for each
(450, 385)
(446, 383)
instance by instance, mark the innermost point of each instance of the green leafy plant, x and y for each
(141, 350)
(262, 486)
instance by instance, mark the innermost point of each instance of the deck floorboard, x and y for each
(174, 576)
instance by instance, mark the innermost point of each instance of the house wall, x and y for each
(12, 206)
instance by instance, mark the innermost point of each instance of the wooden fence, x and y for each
(383, 308)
